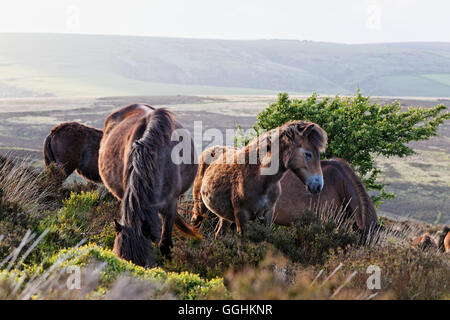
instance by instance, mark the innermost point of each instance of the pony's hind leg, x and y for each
(221, 227)
(198, 213)
(241, 217)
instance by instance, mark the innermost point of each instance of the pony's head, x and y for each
(304, 141)
(133, 244)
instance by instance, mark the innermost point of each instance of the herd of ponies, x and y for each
(133, 158)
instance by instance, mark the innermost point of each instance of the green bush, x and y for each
(308, 242)
(185, 285)
(211, 258)
(359, 129)
(83, 216)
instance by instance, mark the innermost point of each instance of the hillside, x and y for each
(81, 65)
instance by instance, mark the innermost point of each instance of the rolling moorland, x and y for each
(47, 230)
(49, 79)
(421, 181)
(84, 65)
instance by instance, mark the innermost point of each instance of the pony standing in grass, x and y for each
(343, 195)
(74, 147)
(237, 190)
(136, 164)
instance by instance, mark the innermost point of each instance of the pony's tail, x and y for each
(361, 203)
(49, 157)
(185, 228)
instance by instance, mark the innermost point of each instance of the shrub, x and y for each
(83, 216)
(211, 258)
(359, 129)
(23, 200)
(269, 280)
(313, 239)
(184, 285)
(308, 241)
(406, 272)
(103, 275)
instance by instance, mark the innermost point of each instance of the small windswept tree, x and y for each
(359, 129)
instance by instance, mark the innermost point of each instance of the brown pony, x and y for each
(237, 191)
(447, 243)
(73, 146)
(426, 241)
(136, 164)
(343, 193)
(444, 240)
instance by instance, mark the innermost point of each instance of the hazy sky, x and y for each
(348, 21)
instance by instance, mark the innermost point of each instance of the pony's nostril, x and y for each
(315, 188)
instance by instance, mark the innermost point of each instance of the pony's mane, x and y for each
(316, 135)
(368, 215)
(143, 183)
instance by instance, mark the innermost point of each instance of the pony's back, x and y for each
(73, 146)
(359, 200)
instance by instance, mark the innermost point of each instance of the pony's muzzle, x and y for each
(315, 184)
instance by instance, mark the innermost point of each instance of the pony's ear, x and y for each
(146, 229)
(117, 226)
(306, 130)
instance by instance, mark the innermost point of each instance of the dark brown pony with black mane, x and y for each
(136, 164)
(238, 191)
(343, 192)
(74, 147)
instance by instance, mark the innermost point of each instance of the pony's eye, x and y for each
(308, 155)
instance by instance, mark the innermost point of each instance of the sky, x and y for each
(343, 21)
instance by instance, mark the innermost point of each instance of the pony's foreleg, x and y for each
(168, 216)
(268, 216)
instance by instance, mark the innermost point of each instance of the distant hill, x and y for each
(84, 65)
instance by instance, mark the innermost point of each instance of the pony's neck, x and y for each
(270, 163)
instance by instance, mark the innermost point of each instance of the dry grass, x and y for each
(23, 187)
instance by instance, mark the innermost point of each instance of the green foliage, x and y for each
(67, 226)
(308, 242)
(185, 285)
(277, 262)
(359, 129)
(211, 258)
(83, 216)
